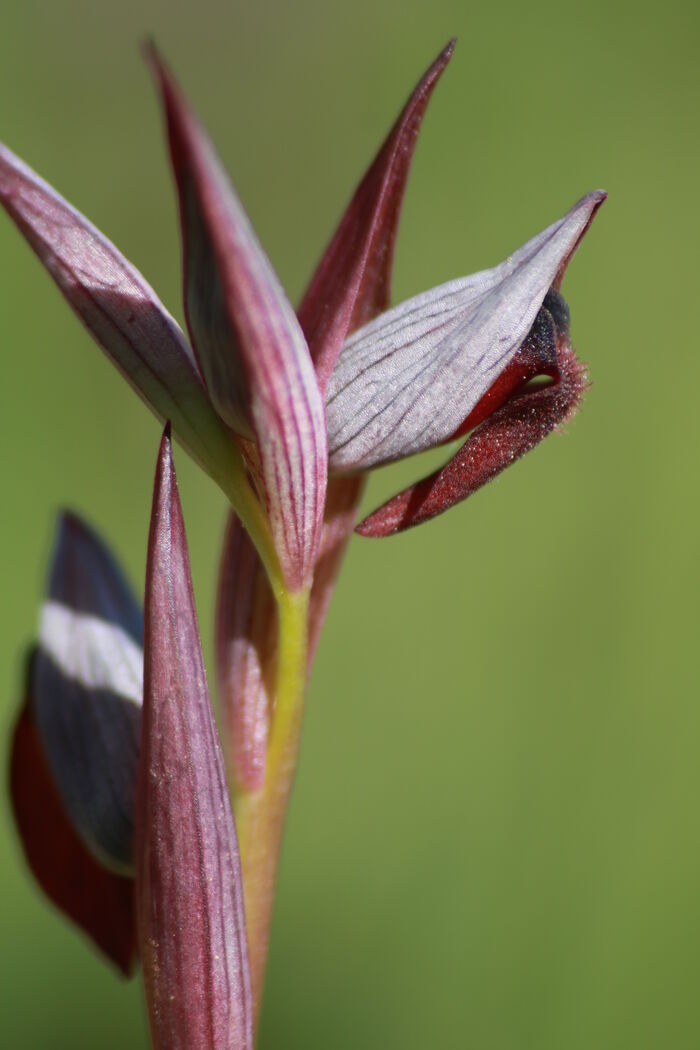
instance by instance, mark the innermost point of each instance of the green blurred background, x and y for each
(494, 837)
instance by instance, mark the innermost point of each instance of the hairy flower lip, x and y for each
(407, 381)
(536, 360)
(516, 427)
(538, 392)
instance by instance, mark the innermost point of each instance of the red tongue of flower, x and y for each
(508, 421)
(536, 357)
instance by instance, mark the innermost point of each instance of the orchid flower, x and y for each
(288, 411)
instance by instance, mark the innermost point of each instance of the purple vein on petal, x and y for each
(249, 344)
(188, 879)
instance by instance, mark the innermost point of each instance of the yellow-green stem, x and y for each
(260, 814)
(246, 504)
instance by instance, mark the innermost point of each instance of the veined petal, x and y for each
(408, 380)
(87, 684)
(119, 308)
(506, 434)
(353, 280)
(248, 341)
(100, 902)
(188, 880)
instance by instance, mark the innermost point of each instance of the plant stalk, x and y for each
(260, 814)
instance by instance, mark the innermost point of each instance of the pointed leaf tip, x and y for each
(188, 879)
(248, 341)
(352, 283)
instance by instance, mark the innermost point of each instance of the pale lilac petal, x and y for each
(119, 308)
(189, 888)
(249, 343)
(407, 381)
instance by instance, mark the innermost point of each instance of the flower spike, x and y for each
(407, 381)
(248, 341)
(188, 880)
(119, 308)
(353, 281)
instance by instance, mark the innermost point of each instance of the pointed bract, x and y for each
(352, 283)
(87, 683)
(248, 341)
(119, 308)
(188, 879)
(100, 902)
(407, 381)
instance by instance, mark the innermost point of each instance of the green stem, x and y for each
(246, 504)
(260, 814)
